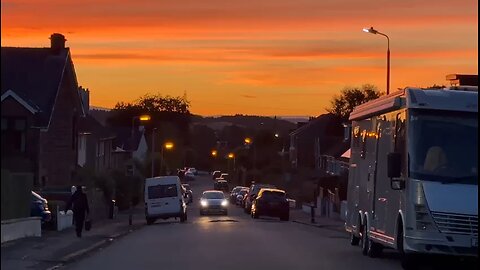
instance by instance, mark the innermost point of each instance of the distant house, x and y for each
(40, 111)
(95, 145)
(136, 146)
(312, 139)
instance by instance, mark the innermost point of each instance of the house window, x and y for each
(14, 134)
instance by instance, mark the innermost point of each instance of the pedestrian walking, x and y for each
(79, 204)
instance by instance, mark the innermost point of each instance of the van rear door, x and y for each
(163, 198)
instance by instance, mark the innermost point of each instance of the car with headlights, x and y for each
(240, 195)
(271, 202)
(213, 201)
(252, 194)
(234, 192)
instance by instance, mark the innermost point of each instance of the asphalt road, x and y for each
(232, 242)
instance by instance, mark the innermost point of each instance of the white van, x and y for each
(164, 198)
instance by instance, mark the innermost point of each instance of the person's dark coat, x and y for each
(79, 204)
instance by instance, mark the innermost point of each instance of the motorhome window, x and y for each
(443, 146)
(162, 191)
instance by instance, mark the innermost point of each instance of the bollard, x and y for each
(312, 214)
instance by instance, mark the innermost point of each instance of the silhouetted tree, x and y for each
(342, 105)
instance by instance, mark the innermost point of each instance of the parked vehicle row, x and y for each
(262, 200)
(256, 200)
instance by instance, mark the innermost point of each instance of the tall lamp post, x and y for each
(141, 118)
(373, 31)
(232, 156)
(153, 152)
(168, 146)
(249, 142)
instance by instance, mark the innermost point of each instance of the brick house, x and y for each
(312, 139)
(40, 111)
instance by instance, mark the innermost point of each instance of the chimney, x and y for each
(57, 42)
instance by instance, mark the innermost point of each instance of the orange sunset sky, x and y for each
(263, 57)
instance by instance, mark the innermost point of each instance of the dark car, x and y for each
(271, 202)
(234, 192)
(252, 193)
(221, 185)
(39, 208)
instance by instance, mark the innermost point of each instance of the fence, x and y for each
(16, 194)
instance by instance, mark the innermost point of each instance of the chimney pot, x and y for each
(57, 42)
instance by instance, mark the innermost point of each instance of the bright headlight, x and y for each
(203, 203)
(224, 203)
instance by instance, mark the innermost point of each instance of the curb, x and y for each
(79, 253)
(337, 228)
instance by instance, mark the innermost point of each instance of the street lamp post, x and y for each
(373, 31)
(140, 118)
(153, 151)
(168, 146)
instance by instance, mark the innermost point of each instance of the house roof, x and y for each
(317, 124)
(123, 138)
(34, 75)
(89, 124)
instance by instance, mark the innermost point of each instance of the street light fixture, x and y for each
(248, 140)
(375, 32)
(214, 153)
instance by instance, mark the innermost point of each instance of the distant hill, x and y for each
(219, 122)
(246, 121)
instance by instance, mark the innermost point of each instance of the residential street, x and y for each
(233, 242)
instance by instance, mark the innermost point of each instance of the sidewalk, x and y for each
(58, 248)
(298, 216)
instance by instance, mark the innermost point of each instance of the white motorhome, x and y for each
(164, 198)
(413, 176)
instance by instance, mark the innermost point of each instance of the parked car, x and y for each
(39, 208)
(240, 195)
(181, 173)
(213, 201)
(221, 185)
(271, 202)
(164, 199)
(225, 176)
(188, 192)
(189, 176)
(233, 193)
(216, 174)
(193, 170)
(252, 193)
